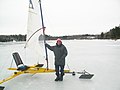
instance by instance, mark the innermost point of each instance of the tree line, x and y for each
(113, 33)
(8, 38)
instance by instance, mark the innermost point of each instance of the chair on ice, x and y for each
(19, 63)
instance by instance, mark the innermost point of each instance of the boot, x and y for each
(57, 78)
(61, 78)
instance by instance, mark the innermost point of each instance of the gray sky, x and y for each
(62, 17)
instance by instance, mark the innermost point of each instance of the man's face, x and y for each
(59, 42)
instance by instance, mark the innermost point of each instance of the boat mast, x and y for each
(43, 27)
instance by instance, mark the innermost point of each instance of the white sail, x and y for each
(34, 45)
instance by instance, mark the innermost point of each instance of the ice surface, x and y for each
(100, 57)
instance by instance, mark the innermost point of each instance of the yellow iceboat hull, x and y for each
(30, 70)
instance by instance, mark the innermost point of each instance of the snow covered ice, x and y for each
(100, 57)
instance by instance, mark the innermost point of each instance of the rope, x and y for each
(68, 67)
(11, 63)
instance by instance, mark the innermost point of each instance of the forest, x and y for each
(113, 33)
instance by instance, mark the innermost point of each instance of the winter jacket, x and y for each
(60, 53)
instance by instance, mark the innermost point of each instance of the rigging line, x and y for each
(31, 37)
(68, 67)
(25, 51)
(11, 63)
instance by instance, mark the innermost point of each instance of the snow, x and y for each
(100, 57)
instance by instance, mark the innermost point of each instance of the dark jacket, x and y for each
(60, 53)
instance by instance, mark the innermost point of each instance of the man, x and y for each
(60, 53)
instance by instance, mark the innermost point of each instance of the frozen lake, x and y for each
(101, 57)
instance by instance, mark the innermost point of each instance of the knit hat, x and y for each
(59, 40)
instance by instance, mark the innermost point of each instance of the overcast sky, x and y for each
(62, 17)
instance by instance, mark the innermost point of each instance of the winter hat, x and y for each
(59, 40)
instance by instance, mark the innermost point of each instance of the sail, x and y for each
(35, 41)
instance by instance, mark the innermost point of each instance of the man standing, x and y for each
(60, 53)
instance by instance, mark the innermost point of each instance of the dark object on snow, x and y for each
(1, 87)
(73, 73)
(86, 76)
